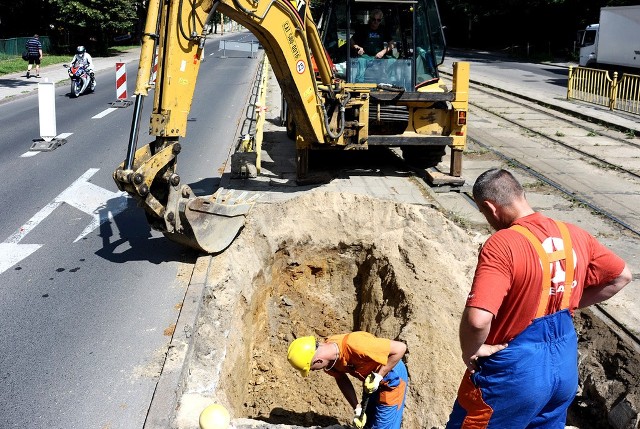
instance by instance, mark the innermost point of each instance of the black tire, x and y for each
(76, 86)
(423, 156)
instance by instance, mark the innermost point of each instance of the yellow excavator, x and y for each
(338, 96)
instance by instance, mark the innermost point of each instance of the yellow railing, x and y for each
(627, 96)
(595, 86)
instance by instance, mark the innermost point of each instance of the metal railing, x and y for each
(595, 86)
(627, 94)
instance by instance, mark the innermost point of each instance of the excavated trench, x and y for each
(397, 271)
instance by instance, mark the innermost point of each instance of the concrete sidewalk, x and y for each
(16, 85)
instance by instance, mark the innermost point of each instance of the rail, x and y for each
(595, 86)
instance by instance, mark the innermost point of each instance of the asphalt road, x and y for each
(88, 294)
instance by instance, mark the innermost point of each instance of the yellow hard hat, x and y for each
(300, 353)
(215, 416)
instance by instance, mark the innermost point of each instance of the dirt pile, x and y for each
(327, 263)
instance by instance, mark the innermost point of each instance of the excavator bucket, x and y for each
(212, 222)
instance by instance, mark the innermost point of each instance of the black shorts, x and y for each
(34, 59)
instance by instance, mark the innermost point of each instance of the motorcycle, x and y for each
(81, 81)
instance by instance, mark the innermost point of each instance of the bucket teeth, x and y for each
(230, 197)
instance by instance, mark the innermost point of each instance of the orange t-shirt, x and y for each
(508, 277)
(360, 353)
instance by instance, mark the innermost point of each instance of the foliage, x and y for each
(534, 27)
(98, 22)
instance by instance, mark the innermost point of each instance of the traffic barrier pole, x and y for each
(48, 140)
(121, 81)
(154, 69)
(121, 86)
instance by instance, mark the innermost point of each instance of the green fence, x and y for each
(15, 46)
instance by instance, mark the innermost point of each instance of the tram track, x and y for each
(594, 166)
(507, 124)
(567, 120)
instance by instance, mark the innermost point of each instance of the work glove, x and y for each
(372, 382)
(359, 417)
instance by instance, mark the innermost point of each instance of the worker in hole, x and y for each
(377, 362)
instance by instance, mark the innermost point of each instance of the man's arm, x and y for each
(385, 50)
(396, 352)
(595, 294)
(345, 386)
(474, 330)
(359, 50)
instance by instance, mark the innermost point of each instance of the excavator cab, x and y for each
(410, 31)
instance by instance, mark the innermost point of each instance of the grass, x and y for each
(15, 63)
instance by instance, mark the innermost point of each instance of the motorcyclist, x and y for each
(82, 57)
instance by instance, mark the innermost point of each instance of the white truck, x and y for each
(614, 42)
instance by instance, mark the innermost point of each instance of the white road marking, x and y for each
(35, 152)
(104, 113)
(11, 254)
(98, 202)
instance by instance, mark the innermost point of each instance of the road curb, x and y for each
(176, 365)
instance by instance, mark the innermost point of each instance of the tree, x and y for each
(540, 27)
(20, 18)
(95, 23)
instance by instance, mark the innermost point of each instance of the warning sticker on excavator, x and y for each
(300, 67)
(308, 95)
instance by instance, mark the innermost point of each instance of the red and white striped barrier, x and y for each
(121, 81)
(121, 87)
(154, 68)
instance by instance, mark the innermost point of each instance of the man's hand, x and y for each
(359, 418)
(372, 382)
(485, 350)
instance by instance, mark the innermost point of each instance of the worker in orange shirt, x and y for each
(377, 362)
(516, 333)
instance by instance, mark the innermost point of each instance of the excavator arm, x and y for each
(176, 29)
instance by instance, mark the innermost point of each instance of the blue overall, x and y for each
(386, 405)
(532, 382)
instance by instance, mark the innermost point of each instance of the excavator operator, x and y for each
(377, 362)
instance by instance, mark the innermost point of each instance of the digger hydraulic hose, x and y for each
(343, 103)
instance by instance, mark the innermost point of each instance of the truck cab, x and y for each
(588, 44)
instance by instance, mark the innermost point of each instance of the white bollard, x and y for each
(47, 110)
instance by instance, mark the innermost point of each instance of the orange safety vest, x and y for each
(546, 260)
